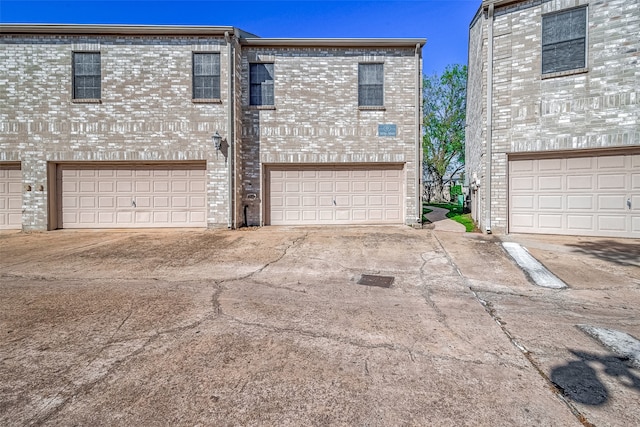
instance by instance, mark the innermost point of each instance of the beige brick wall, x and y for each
(147, 114)
(596, 109)
(316, 119)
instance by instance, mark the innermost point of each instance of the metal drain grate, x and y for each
(379, 281)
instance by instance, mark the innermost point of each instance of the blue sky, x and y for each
(444, 23)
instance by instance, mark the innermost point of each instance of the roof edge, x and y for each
(120, 29)
(498, 3)
(334, 42)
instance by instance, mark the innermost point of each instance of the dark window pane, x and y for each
(261, 84)
(370, 85)
(564, 40)
(86, 75)
(206, 75)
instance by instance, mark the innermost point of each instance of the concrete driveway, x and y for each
(270, 327)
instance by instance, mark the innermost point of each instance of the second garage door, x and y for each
(132, 196)
(335, 195)
(10, 196)
(583, 196)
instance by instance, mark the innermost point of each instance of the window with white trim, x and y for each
(564, 40)
(370, 85)
(86, 75)
(206, 76)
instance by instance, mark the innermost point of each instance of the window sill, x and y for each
(372, 108)
(565, 73)
(86, 101)
(262, 107)
(206, 101)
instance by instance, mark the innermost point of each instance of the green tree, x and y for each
(444, 108)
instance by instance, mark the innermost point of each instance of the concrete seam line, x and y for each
(486, 305)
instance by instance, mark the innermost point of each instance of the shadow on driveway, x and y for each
(580, 383)
(611, 250)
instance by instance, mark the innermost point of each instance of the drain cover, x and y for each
(372, 280)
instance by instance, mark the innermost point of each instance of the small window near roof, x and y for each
(206, 76)
(564, 36)
(370, 85)
(86, 75)
(261, 84)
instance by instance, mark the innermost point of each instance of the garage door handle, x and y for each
(629, 202)
(133, 203)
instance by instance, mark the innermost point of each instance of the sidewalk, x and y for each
(440, 221)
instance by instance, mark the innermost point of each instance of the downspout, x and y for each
(230, 130)
(489, 119)
(418, 182)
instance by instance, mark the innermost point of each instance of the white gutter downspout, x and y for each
(418, 135)
(490, 17)
(230, 130)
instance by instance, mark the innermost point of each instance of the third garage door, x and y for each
(336, 195)
(585, 196)
(132, 196)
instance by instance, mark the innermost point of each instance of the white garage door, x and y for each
(10, 197)
(585, 196)
(336, 195)
(95, 196)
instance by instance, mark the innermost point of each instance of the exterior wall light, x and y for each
(217, 140)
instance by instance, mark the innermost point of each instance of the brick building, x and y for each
(553, 134)
(117, 126)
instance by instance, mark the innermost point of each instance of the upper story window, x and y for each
(564, 40)
(86, 75)
(206, 76)
(370, 85)
(261, 84)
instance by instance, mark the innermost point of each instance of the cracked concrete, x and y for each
(268, 327)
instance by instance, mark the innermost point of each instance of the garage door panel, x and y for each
(612, 223)
(589, 194)
(611, 202)
(376, 186)
(580, 222)
(611, 162)
(635, 224)
(106, 186)
(124, 186)
(392, 215)
(133, 196)
(580, 182)
(550, 222)
(342, 187)
(578, 163)
(611, 182)
(550, 165)
(180, 202)
(359, 186)
(198, 202)
(325, 187)
(522, 202)
(550, 202)
(10, 196)
(325, 201)
(522, 166)
(580, 202)
(309, 202)
(336, 195)
(308, 215)
(547, 183)
(522, 183)
(522, 220)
